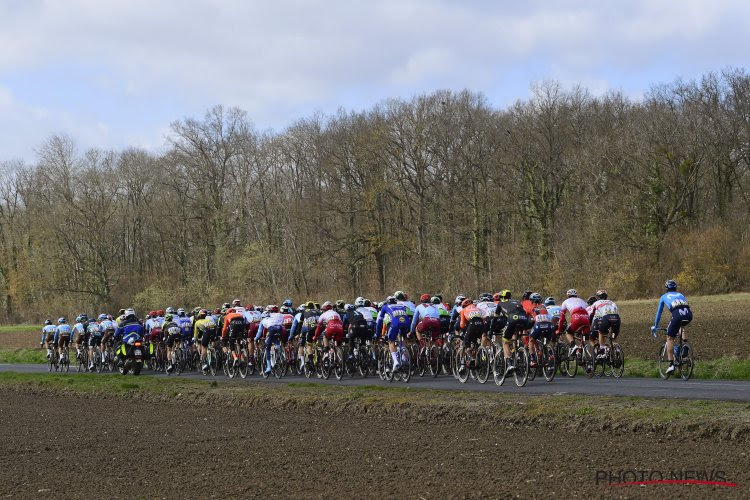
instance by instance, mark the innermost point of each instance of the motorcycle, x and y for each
(130, 356)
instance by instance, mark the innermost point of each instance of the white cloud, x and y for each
(276, 59)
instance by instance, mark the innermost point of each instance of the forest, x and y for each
(442, 192)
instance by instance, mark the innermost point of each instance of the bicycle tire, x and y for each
(533, 371)
(617, 360)
(482, 365)
(549, 365)
(407, 367)
(663, 362)
(498, 368)
(686, 360)
(589, 359)
(521, 365)
(434, 360)
(462, 371)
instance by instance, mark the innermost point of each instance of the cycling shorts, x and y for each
(429, 326)
(474, 331)
(543, 329)
(607, 323)
(579, 322)
(171, 340)
(95, 340)
(63, 340)
(681, 316)
(360, 331)
(515, 325)
(335, 332)
(396, 328)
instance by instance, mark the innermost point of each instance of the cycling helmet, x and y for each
(170, 310)
(424, 298)
(160, 312)
(78, 318)
(287, 303)
(340, 304)
(61, 321)
(180, 312)
(217, 311)
(380, 305)
(301, 308)
(317, 305)
(152, 314)
(496, 297)
(391, 300)
(485, 297)
(590, 300)
(327, 306)
(367, 303)
(249, 307)
(535, 298)
(359, 301)
(349, 307)
(400, 295)
(435, 300)
(47, 322)
(505, 295)
(197, 310)
(601, 294)
(201, 314)
(572, 293)
(226, 305)
(439, 296)
(526, 294)
(129, 312)
(286, 310)
(101, 317)
(121, 312)
(236, 302)
(549, 301)
(459, 298)
(670, 284)
(169, 317)
(310, 305)
(466, 303)
(231, 310)
(258, 309)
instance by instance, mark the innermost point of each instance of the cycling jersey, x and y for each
(274, 323)
(334, 326)
(396, 316)
(677, 304)
(409, 305)
(424, 311)
(554, 312)
(514, 314)
(186, 325)
(203, 328)
(542, 323)
(48, 332)
(579, 317)
(234, 325)
(172, 331)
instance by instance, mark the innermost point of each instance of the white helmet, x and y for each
(572, 293)
(359, 302)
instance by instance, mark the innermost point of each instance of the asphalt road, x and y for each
(723, 390)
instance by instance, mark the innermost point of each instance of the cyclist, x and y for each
(237, 306)
(426, 319)
(48, 336)
(331, 323)
(172, 332)
(515, 319)
(62, 335)
(288, 322)
(204, 330)
(185, 324)
(395, 316)
(491, 325)
(273, 326)
(94, 333)
(108, 327)
(471, 323)
(296, 329)
(233, 329)
(579, 319)
(605, 317)
(542, 328)
(79, 333)
(456, 311)
(307, 331)
(403, 299)
(553, 310)
(357, 325)
(678, 306)
(443, 313)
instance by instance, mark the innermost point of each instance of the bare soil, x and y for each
(77, 445)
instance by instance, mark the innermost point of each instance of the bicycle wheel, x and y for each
(338, 363)
(65, 362)
(387, 366)
(433, 357)
(278, 361)
(81, 361)
(588, 358)
(498, 367)
(533, 358)
(363, 360)
(617, 360)
(242, 363)
(325, 364)
(549, 367)
(686, 361)
(407, 367)
(521, 365)
(462, 370)
(663, 362)
(422, 361)
(482, 365)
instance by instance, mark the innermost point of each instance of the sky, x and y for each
(116, 73)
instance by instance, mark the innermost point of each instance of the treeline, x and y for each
(442, 192)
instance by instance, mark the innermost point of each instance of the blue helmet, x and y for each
(670, 284)
(47, 322)
(61, 321)
(287, 303)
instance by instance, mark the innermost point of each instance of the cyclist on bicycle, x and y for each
(108, 327)
(48, 336)
(444, 314)
(605, 317)
(273, 326)
(426, 319)
(553, 310)
(678, 306)
(471, 322)
(579, 319)
(172, 332)
(396, 316)
(542, 328)
(288, 322)
(357, 325)
(513, 313)
(491, 324)
(233, 329)
(455, 312)
(94, 333)
(62, 335)
(331, 323)
(307, 332)
(204, 330)
(79, 332)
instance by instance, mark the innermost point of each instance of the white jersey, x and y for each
(369, 313)
(605, 308)
(273, 319)
(328, 316)
(572, 304)
(488, 309)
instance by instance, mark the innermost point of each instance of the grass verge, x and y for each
(619, 415)
(20, 328)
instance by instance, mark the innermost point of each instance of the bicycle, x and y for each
(404, 359)
(683, 358)
(428, 357)
(546, 364)
(584, 356)
(82, 358)
(520, 357)
(613, 362)
(54, 360)
(64, 360)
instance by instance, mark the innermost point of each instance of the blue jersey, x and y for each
(671, 301)
(130, 332)
(399, 315)
(48, 330)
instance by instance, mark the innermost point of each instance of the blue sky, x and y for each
(115, 73)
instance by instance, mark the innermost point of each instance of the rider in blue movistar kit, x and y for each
(677, 304)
